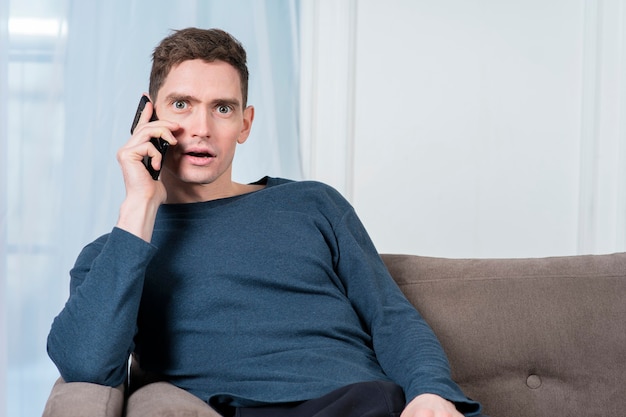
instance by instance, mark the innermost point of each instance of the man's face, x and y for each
(205, 100)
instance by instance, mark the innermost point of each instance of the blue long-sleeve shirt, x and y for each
(274, 296)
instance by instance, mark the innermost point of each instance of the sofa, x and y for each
(525, 337)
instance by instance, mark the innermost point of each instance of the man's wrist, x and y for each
(137, 217)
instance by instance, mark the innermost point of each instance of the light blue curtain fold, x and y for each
(4, 297)
(70, 99)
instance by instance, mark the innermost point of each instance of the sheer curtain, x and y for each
(72, 74)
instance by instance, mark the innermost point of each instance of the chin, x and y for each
(186, 175)
(197, 178)
(191, 181)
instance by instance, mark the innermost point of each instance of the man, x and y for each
(260, 299)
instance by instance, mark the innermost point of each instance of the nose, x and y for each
(202, 122)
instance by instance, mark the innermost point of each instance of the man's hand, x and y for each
(430, 405)
(143, 194)
(130, 157)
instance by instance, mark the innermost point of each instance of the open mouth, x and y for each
(199, 157)
(200, 154)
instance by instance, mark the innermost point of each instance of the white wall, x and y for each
(471, 128)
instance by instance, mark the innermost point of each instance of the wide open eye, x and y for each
(180, 105)
(224, 109)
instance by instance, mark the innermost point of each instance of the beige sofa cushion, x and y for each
(527, 337)
(81, 399)
(162, 399)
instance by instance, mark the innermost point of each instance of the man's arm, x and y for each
(92, 338)
(404, 344)
(143, 194)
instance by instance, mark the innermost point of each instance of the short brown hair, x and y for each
(192, 43)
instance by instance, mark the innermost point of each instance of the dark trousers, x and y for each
(363, 399)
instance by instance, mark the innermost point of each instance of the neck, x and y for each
(196, 193)
(201, 192)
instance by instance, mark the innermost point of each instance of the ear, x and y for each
(248, 117)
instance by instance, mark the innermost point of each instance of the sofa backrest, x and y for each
(527, 337)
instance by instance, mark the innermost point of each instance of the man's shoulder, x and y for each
(308, 194)
(301, 185)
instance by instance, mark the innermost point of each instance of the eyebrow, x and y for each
(180, 97)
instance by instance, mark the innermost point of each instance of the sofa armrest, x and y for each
(163, 399)
(79, 399)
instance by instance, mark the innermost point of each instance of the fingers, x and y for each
(147, 130)
(429, 405)
(140, 185)
(157, 129)
(144, 142)
(156, 160)
(132, 155)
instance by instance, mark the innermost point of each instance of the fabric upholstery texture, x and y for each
(161, 399)
(525, 337)
(80, 399)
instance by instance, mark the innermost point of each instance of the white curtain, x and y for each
(72, 73)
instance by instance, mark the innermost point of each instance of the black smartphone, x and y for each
(159, 143)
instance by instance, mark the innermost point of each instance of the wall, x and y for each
(471, 129)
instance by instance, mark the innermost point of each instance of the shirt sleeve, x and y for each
(405, 345)
(92, 337)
